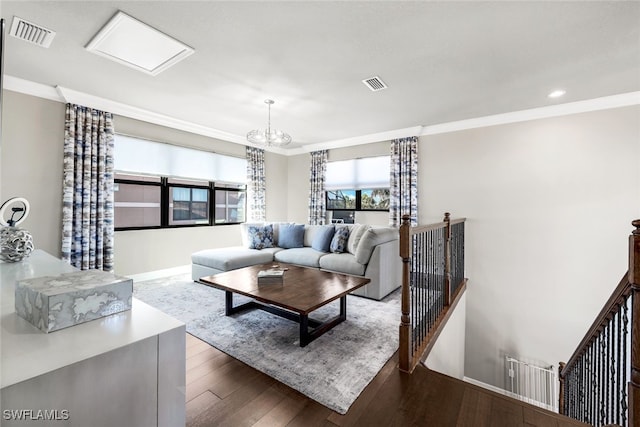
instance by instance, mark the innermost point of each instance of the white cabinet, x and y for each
(127, 369)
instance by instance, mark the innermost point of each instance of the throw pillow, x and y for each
(322, 239)
(291, 236)
(260, 237)
(339, 241)
(357, 231)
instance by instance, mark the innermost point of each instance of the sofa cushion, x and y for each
(339, 240)
(232, 258)
(306, 257)
(291, 236)
(371, 238)
(356, 233)
(343, 263)
(260, 237)
(322, 238)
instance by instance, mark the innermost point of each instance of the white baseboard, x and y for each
(487, 386)
(510, 394)
(161, 273)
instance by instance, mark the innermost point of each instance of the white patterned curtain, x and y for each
(317, 202)
(256, 185)
(404, 180)
(87, 198)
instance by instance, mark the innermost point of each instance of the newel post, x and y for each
(561, 391)
(447, 259)
(634, 280)
(404, 353)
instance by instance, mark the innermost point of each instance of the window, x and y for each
(149, 194)
(358, 185)
(188, 202)
(376, 199)
(230, 205)
(137, 201)
(341, 199)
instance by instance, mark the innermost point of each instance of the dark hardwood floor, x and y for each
(222, 391)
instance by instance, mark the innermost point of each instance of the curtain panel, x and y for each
(404, 180)
(87, 198)
(317, 176)
(256, 185)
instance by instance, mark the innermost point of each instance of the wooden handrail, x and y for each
(435, 226)
(622, 291)
(627, 291)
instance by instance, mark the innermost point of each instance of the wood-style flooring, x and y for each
(222, 391)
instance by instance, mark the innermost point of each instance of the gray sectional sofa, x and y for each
(371, 252)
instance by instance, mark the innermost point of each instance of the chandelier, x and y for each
(268, 136)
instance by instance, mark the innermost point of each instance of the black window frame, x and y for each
(358, 206)
(165, 186)
(171, 185)
(227, 188)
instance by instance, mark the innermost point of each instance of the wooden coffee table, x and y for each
(303, 290)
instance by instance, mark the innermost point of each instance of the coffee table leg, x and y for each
(306, 337)
(228, 303)
(229, 309)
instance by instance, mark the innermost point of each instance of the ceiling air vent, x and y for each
(30, 32)
(374, 83)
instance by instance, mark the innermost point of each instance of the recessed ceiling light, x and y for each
(137, 45)
(557, 93)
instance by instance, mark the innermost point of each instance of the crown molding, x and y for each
(28, 87)
(61, 94)
(81, 98)
(603, 103)
(359, 140)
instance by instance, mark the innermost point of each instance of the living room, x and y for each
(549, 191)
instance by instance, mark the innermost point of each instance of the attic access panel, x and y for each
(137, 45)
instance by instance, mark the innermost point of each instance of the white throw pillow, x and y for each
(357, 231)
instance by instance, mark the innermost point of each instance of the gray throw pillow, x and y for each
(322, 239)
(291, 236)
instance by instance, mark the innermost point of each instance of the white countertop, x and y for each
(27, 352)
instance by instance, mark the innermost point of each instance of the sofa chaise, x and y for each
(354, 249)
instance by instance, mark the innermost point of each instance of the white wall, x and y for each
(298, 188)
(32, 140)
(448, 353)
(549, 205)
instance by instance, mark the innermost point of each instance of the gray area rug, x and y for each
(332, 370)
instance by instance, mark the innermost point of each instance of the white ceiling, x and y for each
(443, 61)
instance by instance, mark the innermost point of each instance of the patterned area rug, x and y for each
(333, 369)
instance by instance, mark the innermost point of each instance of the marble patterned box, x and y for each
(52, 303)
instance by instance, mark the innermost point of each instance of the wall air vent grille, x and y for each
(30, 32)
(374, 83)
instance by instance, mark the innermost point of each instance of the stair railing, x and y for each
(432, 279)
(600, 385)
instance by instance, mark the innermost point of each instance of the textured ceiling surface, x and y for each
(442, 61)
